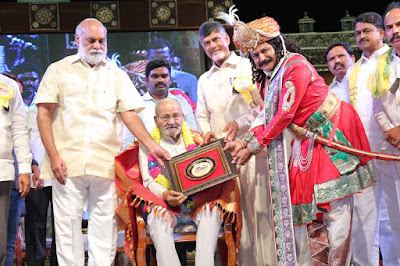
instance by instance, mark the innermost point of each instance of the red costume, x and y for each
(327, 174)
(296, 97)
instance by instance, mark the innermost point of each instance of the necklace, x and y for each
(154, 169)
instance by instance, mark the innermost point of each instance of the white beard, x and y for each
(218, 56)
(92, 57)
(172, 133)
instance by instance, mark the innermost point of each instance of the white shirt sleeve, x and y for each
(128, 97)
(49, 86)
(202, 114)
(20, 133)
(246, 120)
(380, 115)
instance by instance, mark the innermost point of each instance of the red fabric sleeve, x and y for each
(296, 79)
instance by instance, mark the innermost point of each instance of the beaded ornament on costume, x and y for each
(154, 169)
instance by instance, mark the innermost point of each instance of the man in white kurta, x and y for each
(387, 114)
(13, 135)
(158, 80)
(368, 211)
(339, 57)
(83, 101)
(223, 111)
(169, 120)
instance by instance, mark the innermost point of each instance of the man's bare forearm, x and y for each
(135, 125)
(45, 111)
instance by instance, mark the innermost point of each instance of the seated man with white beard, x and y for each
(174, 135)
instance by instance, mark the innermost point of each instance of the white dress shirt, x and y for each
(13, 134)
(365, 99)
(174, 148)
(87, 128)
(147, 116)
(218, 104)
(387, 107)
(341, 89)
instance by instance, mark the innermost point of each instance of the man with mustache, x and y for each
(83, 101)
(370, 212)
(387, 109)
(158, 80)
(224, 111)
(29, 75)
(312, 190)
(339, 57)
(173, 134)
(184, 81)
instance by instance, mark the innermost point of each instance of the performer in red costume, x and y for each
(321, 179)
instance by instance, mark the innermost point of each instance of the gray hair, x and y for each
(209, 27)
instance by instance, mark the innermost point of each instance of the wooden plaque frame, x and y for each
(201, 168)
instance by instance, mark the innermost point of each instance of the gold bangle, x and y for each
(243, 142)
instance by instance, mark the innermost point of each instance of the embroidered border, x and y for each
(290, 94)
(280, 192)
(254, 146)
(330, 105)
(333, 190)
(247, 136)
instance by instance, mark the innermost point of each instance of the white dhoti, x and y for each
(68, 205)
(390, 179)
(371, 225)
(208, 227)
(257, 243)
(338, 224)
(365, 230)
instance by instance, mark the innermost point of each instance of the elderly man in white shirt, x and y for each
(83, 101)
(339, 57)
(387, 114)
(158, 81)
(13, 135)
(223, 112)
(371, 228)
(169, 122)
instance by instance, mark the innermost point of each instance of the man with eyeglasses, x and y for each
(158, 81)
(207, 208)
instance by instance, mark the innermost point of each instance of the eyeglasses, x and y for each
(166, 118)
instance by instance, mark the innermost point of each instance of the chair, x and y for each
(133, 195)
(226, 236)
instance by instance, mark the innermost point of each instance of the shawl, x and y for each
(353, 81)
(382, 74)
(133, 195)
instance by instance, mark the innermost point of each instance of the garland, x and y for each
(154, 169)
(382, 74)
(6, 93)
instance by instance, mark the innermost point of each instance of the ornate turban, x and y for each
(247, 36)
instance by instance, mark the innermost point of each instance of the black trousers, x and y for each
(37, 204)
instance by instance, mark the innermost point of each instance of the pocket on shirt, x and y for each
(107, 99)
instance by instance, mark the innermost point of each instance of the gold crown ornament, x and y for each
(246, 37)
